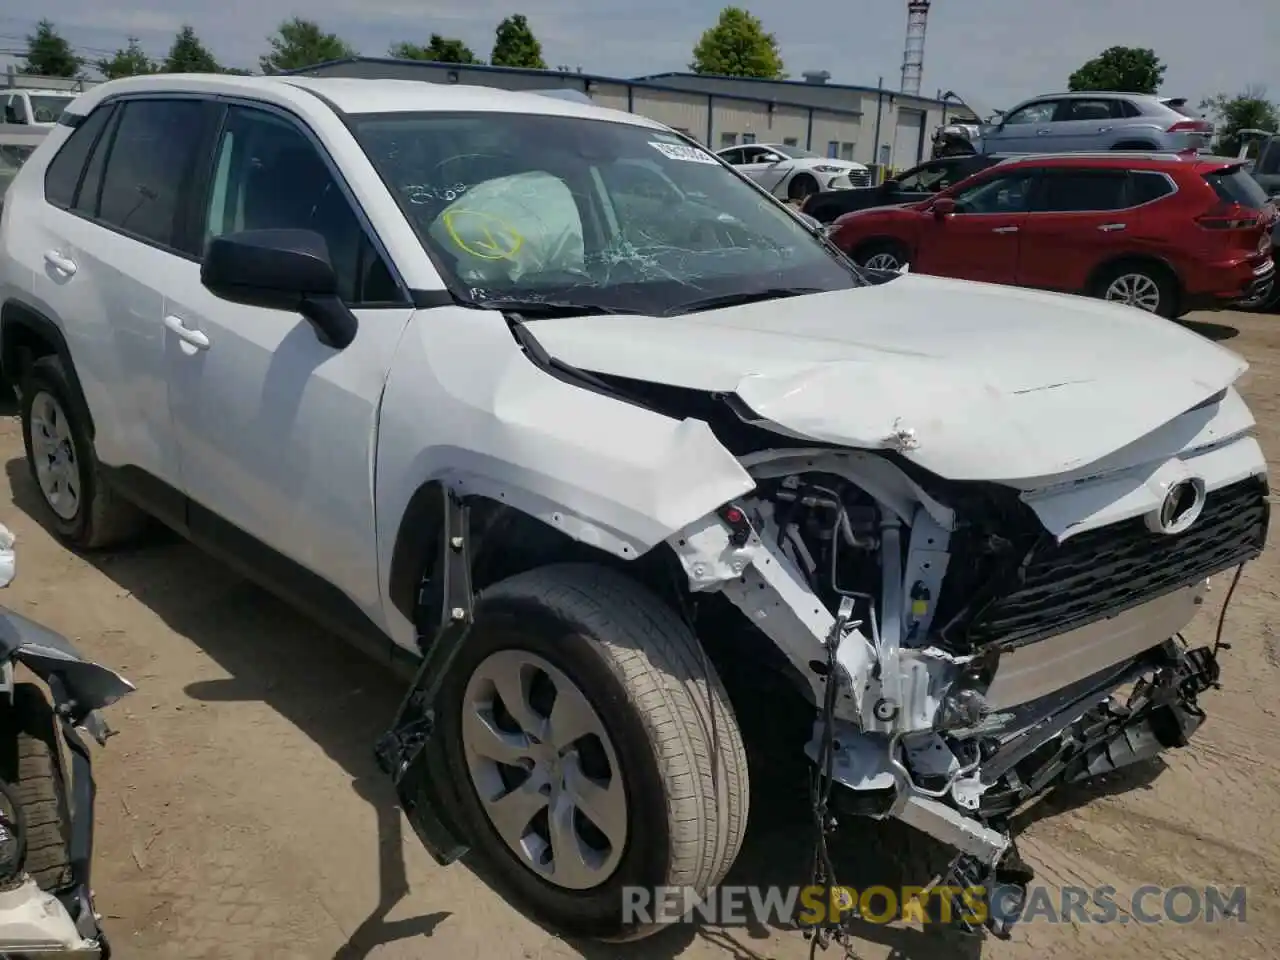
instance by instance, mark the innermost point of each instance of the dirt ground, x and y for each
(241, 815)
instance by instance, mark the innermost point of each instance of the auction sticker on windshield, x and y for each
(682, 151)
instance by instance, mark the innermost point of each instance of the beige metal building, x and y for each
(853, 123)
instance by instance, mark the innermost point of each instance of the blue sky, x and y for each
(996, 51)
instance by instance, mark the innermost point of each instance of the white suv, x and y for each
(551, 395)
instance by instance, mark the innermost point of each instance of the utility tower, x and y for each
(913, 53)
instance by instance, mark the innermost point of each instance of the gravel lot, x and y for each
(241, 814)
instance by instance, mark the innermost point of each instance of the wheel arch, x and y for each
(27, 334)
(881, 240)
(1148, 260)
(505, 539)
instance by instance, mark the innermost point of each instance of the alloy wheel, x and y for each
(883, 261)
(1136, 290)
(54, 453)
(544, 769)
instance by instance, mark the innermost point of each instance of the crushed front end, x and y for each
(970, 646)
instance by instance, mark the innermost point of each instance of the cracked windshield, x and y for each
(561, 212)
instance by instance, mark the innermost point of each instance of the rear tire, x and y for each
(1144, 286)
(665, 752)
(81, 509)
(32, 769)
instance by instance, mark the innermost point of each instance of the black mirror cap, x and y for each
(275, 264)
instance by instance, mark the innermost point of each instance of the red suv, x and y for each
(1167, 233)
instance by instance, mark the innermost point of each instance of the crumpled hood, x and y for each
(969, 380)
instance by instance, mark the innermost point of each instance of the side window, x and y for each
(1083, 191)
(63, 173)
(928, 178)
(1039, 112)
(269, 175)
(1269, 162)
(732, 156)
(999, 194)
(89, 196)
(1087, 110)
(1145, 187)
(153, 156)
(1127, 109)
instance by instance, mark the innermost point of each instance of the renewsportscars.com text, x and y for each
(813, 905)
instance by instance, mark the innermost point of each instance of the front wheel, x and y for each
(883, 255)
(591, 748)
(801, 187)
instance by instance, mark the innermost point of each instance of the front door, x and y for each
(276, 430)
(766, 167)
(1028, 129)
(981, 239)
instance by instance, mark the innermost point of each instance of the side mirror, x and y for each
(772, 159)
(810, 221)
(280, 270)
(944, 206)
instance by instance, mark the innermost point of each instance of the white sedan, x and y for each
(793, 173)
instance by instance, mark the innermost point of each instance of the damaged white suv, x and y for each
(550, 395)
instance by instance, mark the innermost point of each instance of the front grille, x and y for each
(860, 178)
(1100, 573)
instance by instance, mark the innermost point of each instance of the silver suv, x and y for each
(1074, 122)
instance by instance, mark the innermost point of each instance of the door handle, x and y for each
(193, 337)
(1005, 230)
(1104, 129)
(59, 262)
(1112, 227)
(1042, 133)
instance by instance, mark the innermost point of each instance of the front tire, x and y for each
(802, 187)
(80, 508)
(591, 747)
(32, 770)
(882, 255)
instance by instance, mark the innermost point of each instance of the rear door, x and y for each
(980, 240)
(1082, 124)
(1079, 218)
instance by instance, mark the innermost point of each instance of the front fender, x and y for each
(465, 406)
(48, 654)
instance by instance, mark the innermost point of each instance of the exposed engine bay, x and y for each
(974, 655)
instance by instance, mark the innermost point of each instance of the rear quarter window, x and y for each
(1233, 185)
(1146, 186)
(63, 174)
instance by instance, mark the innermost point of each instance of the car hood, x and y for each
(969, 380)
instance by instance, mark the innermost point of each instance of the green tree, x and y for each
(514, 45)
(301, 43)
(1247, 110)
(189, 55)
(49, 54)
(738, 46)
(438, 48)
(129, 61)
(1121, 69)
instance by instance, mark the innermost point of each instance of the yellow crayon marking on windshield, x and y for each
(497, 239)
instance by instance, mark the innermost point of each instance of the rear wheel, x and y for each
(591, 748)
(81, 508)
(32, 772)
(1144, 286)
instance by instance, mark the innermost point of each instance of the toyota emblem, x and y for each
(1182, 505)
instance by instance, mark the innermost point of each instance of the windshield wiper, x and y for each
(738, 299)
(544, 309)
